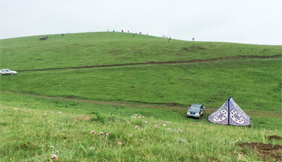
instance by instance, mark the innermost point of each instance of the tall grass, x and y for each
(260, 119)
(34, 135)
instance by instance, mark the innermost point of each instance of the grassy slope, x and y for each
(260, 119)
(255, 85)
(31, 133)
(245, 80)
(112, 48)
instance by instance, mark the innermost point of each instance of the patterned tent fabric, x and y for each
(230, 114)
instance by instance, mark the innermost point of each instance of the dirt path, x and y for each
(174, 106)
(171, 106)
(163, 63)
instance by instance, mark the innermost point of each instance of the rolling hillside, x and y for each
(144, 69)
(119, 97)
(94, 49)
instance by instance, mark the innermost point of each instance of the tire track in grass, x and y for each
(171, 106)
(148, 105)
(161, 63)
(110, 103)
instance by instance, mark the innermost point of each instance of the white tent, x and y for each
(230, 114)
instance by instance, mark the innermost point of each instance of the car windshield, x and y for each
(194, 108)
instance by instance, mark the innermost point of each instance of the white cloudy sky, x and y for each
(241, 21)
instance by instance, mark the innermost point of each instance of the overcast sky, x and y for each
(240, 21)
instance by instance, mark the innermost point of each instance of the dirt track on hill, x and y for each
(162, 63)
(174, 106)
(171, 106)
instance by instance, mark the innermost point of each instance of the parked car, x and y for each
(196, 110)
(7, 72)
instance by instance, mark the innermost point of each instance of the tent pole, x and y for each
(228, 122)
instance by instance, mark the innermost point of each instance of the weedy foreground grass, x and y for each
(38, 135)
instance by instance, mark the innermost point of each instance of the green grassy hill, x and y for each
(90, 49)
(105, 78)
(254, 82)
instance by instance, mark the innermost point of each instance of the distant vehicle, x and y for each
(7, 72)
(196, 110)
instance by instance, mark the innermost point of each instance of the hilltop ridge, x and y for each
(107, 48)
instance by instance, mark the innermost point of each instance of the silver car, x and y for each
(7, 72)
(196, 110)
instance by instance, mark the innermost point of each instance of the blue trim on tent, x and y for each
(228, 119)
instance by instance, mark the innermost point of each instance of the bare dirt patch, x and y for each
(185, 49)
(265, 150)
(83, 118)
(70, 96)
(172, 104)
(274, 137)
(199, 47)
